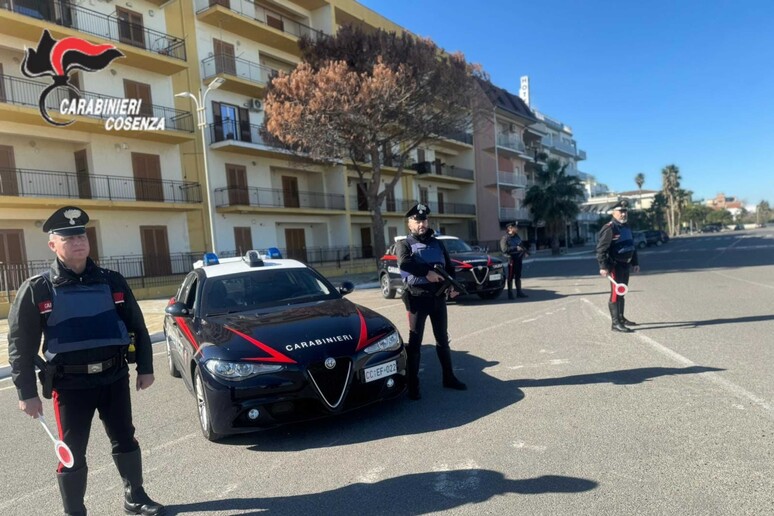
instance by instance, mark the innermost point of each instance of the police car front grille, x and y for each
(331, 384)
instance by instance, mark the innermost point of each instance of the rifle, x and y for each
(449, 282)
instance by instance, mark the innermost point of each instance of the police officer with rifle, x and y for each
(91, 327)
(420, 256)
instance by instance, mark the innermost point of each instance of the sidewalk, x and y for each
(153, 309)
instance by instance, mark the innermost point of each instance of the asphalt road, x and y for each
(562, 416)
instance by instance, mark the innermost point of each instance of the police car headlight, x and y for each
(239, 370)
(389, 343)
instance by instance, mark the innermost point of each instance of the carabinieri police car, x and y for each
(262, 342)
(478, 271)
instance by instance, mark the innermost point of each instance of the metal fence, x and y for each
(276, 198)
(112, 27)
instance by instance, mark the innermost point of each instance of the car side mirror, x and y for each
(346, 288)
(178, 310)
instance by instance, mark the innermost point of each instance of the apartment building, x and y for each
(145, 203)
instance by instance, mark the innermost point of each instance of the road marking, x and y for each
(743, 280)
(521, 445)
(519, 320)
(712, 376)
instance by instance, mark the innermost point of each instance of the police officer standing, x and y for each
(417, 255)
(86, 315)
(616, 254)
(512, 245)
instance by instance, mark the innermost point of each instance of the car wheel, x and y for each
(170, 361)
(204, 409)
(658, 242)
(387, 291)
(642, 245)
(492, 294)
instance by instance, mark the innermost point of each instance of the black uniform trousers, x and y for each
(74, 410)
(515, 266)
(419, 309)
(619, 271)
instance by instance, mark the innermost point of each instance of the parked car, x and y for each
(262, 342)
(738, 227)
(711, 228)
(480, 273)
(655, 237)
(639, 239)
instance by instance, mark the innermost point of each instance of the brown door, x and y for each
(147, 177)
(82, 174)
(296, 244)
(290, 192)
(155, 250)
(2, 84)
(441, 208)
(139, 91)
(236, 177)
(13, 258)
(91, 234)
(130, 28)
(243, 239)
(224, 57)
(8, 184)
(275, 21)
(365, 241)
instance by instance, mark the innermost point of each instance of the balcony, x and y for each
(142, 47)
(459, 140)
(511, 180)
(441, 170)
(242, 76)
(511, 214)
(244, 138)
(254, 22)
(23, 182)
(581, 156)
(276, 198)
(451, 208)
(401, 206)
(511, 145)
(26, 93)
(562, 147)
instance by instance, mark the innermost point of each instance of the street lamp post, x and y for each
(201, 122)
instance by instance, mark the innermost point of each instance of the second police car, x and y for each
(478, 271)
(262, 342)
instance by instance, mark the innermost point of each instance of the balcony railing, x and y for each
(509, 178)
(262, 15)
(276, 198)
(581, 155)
(26, 92)
(24, 182)
(240, 132)
(460, 136)
(318, 255)
(451, 208)
(431, 167)
(510, 142)
(511, 214)
(358, 203)
(110, 27)
(242, 68)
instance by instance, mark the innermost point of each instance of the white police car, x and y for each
(264, 341)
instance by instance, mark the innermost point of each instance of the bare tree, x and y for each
(370, 99)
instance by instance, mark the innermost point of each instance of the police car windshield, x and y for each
(454, 245)
(264, 288)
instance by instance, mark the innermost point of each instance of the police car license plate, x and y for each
(380, 371)
(494, 277)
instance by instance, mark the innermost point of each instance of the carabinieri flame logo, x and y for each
(58, 59)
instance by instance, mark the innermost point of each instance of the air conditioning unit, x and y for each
(256, 104)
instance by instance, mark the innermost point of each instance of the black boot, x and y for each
(136, 501)
(412, 374)
(624, 320)
(510, 294)
(72, 487)
(617, 325)
(519, 293)
(449, 380)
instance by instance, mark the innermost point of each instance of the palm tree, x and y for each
(670, 177)
(683, 198)
(554, 199)
(640, 180)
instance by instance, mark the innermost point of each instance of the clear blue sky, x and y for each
(642, 84)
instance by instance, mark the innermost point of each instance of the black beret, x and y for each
(623, 204)
(418, 212)
(67, 221)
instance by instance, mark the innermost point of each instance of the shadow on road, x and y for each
(623, 377)
(419, 493)
(439, 409)
(708, 322)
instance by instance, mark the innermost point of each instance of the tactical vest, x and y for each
(622, 246)
(512, 242)
(430, 253)
(83, 316)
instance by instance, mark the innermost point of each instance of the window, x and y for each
(236, 180)
(130, 27)
(231, 123)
